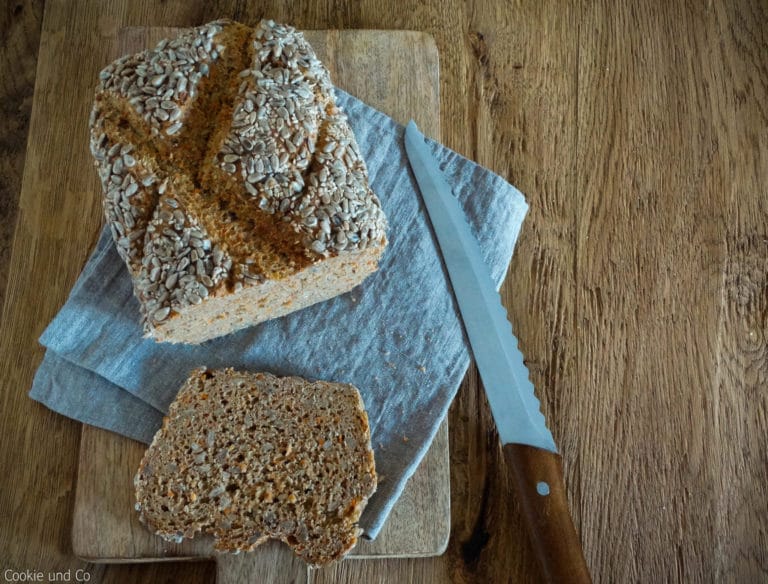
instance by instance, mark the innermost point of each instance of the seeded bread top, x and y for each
(225, 161)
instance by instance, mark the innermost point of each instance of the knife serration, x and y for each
(505, 376)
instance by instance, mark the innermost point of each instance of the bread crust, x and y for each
(226, 165)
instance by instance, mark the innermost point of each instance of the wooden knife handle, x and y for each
(538, 477)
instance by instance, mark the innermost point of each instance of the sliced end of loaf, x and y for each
(224, 311)
(250, 456)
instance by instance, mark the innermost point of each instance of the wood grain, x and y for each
(20, 24)
(664, 352)
(541, 493)
(275, 564)
(739, 406)
(638, 290)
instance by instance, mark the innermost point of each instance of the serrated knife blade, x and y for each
(505, 376)
(527, 442)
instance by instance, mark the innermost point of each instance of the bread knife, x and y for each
(528, 446)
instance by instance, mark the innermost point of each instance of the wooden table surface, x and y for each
(639, 287)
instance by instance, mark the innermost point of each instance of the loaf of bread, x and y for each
(250, 456)
(233, 185)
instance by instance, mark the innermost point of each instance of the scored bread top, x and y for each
(226, 162)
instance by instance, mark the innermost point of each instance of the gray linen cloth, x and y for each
(397, 337)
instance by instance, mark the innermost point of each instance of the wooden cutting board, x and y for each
(396, 72)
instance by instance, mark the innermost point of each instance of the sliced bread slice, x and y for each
(251, 456)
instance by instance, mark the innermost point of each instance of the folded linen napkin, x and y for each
(397, 337)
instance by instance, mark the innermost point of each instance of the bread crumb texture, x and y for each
(250, 456)
(233, 185)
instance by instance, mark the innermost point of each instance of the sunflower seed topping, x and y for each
(159, 83)
(288, 145)
(161, 313)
